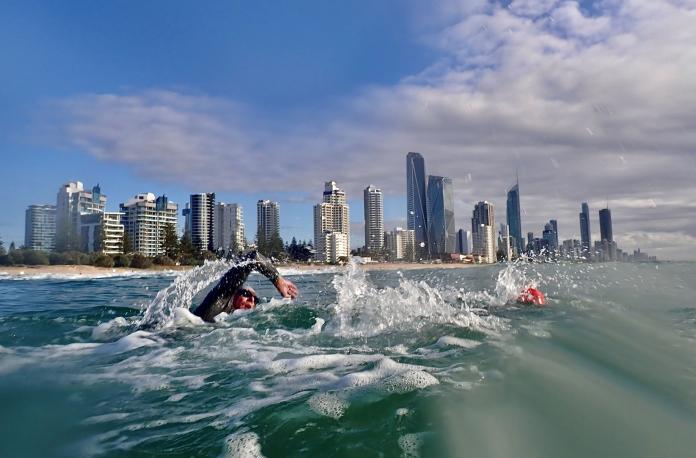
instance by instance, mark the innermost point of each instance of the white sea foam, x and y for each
(242, 445)
(184, 317)
(328, 405)
(410, 445)
(316, 327)
(445, 341)
(315, 362)
(104, 331)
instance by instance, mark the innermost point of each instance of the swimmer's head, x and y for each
(245, 298)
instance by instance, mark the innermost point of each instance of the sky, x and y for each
(588, 101)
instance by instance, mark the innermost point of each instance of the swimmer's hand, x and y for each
(286, 288)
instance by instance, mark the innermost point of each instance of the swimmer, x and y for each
(531, 296)
(230, 294)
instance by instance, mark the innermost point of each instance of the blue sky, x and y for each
(272, 57)
(590, 101)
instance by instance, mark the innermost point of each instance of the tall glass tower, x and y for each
(441, 232)
(514, 219)
(416, 217)
(605, 225)
(585, 234)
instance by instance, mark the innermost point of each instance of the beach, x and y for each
(93, 271)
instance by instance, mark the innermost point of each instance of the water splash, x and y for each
(511, 281)
(363, 310)
(161, 311)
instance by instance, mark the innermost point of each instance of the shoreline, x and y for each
(93, 271)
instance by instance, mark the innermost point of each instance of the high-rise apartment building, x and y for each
(332, 216)
(484, 244)
(605, 227)
(112, 229)
(267, 219)
(416, 203)
(374, 220)
(40, 227)
(442, 239)
(72, 202)
(514, 217)
(585, 234)
(101, 232)
(401, 244)
(229, 227)
(483, 232)
(464, 245)
(202, 220)
(144, 218)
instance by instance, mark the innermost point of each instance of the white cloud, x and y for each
(532, 8)
(587, 107)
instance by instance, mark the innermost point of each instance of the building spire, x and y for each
(517, 177)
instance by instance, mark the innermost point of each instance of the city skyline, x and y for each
(595, 116)
(74, 199)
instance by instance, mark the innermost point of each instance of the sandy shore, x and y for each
(92, 271)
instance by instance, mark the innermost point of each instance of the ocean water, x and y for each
(432, 362)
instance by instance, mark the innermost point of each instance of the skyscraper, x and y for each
(482, 231)
(40, 227)
(374, 220)
(550, 236)
(186, 213)
(202, 220)
(484, 213)
(585, 234)
(605, 228)
(464, 241)
(514, 218)
(228, 233)
(554, 226)
(144, 218)
(332, 225)
(267, 219)
(441, 231)
(416, 206)
(72, 202)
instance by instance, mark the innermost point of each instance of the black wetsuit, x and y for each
(218, 299)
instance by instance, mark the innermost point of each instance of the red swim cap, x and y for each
(532, 296)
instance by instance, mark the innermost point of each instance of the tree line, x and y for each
(176, 251)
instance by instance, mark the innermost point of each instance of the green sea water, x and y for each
(432, 362)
